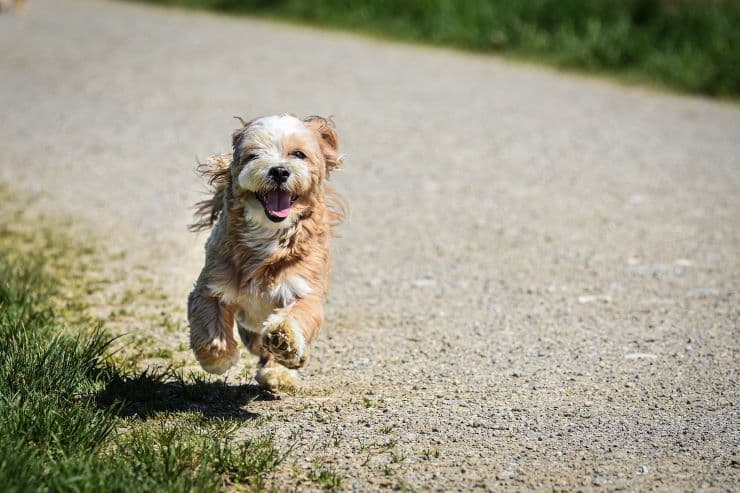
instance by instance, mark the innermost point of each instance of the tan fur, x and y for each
(272, 278)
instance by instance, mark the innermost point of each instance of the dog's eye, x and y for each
(298, 154)
(251, 157)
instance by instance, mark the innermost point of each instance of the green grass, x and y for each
(690, 45)
(327, 478)
(71, 421)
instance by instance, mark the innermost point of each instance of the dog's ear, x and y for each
(236, 137)
(329, 140)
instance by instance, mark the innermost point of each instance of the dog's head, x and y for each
(280, 165)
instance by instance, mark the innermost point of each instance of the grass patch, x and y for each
(326, 477)
(690, 45)
(70, 420)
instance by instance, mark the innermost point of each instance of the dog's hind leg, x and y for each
(212, 332)
(272, 375)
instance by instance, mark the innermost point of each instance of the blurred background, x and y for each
(689, 45)
(537, 287)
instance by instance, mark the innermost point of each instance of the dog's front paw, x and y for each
(282, 337)
(217, 356)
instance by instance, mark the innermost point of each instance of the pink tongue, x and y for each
(278, 203)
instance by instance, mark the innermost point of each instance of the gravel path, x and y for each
(538, 287)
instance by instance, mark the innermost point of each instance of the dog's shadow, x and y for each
(151, 392)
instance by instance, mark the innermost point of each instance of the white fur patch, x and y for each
(226, 293)
(289, 290)
(275, 128)
(255, 308)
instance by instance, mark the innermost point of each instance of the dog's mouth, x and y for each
(277, 204)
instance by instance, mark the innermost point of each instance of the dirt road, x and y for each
(538, 286)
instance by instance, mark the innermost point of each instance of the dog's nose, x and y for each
(279, 174)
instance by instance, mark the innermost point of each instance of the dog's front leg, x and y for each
(288, 331)
(212, 332)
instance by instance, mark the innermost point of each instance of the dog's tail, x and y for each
(217, 171)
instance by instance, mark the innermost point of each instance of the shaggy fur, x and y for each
(266, 271)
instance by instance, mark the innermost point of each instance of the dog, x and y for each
(268, 256)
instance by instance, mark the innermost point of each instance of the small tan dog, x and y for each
(267, 259)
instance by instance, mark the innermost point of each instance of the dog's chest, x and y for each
(260, 301)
